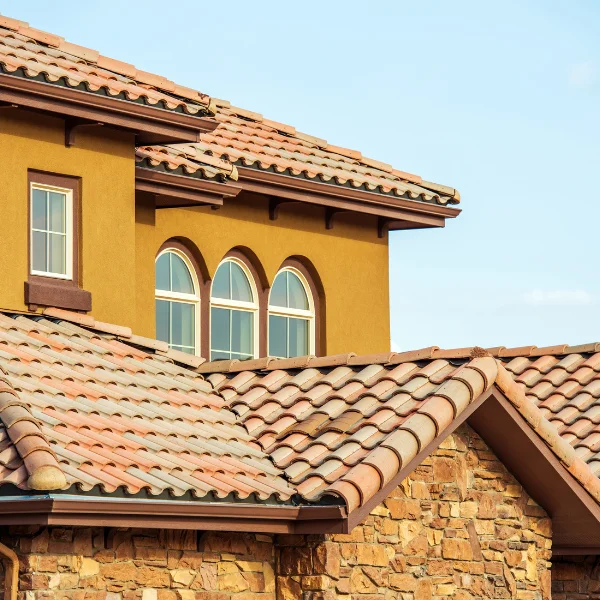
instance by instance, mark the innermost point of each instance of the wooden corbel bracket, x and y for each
(72, 124)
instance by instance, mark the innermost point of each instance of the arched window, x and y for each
(177, 302)
(233, 312)
(291, 316)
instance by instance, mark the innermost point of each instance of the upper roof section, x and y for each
(229, 140)
(44, 56)
(247, 139)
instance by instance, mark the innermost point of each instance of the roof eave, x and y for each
(174, 191)
(89, 511)
(395, 213)
(151, 125)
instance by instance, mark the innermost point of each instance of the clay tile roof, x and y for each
(243, 138)
(89, 405)
(35, 54)
(346, 425)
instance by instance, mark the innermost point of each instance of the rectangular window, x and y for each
(54, 209)
(51, 236)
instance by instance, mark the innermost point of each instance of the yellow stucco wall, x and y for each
(352, 262)
(104, 160)
(120, 240)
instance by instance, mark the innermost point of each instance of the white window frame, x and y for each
(282, 311)
(69, 233)
(181, 297)
(251, 307)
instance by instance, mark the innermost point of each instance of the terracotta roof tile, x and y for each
(243, 137)
(128, 429)
(32, 53)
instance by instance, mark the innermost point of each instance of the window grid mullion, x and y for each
(230, 327)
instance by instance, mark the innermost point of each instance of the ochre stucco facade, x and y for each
(120, 239)
(459, 527)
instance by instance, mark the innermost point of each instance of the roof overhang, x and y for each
(151, 125)
(174, 191)
(575, 514)
(394, 213)
(57, 509)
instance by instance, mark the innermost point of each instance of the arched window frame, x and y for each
(252, 307)
(309, 315)
(194, 299)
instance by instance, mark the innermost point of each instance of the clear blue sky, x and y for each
(500, 100)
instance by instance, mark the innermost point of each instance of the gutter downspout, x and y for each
(11, 572)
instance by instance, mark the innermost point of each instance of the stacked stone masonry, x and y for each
(576, 578)
(459, 527)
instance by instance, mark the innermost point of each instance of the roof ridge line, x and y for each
(41, 464)
(567, 455)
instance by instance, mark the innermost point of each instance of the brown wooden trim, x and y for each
(401, 213)
(575, 550)
(171, 514)
(318, 294)
(50, 291)
(358, 516)
(151, 125)
(175, 191)
(575, 514)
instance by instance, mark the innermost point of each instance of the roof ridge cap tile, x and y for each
(515, 393)
(42, 467)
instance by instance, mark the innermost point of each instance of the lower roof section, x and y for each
(100, 426)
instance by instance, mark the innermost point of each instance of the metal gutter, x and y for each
(58, 509)
(151, 125)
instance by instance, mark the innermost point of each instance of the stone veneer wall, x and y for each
(461, 526)
(576, 578)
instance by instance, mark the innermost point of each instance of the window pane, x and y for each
(297, 293)
(38, 251)
(162, 320)
(298, 343)
(220, 355)
(38, 209)
(58, 251)
(220, 285)
(278, 295)
(163, 272)
(240, 286)
(183, 324)
(219, 329)
(57, 220)
(242, 331)
(278, 336)
(181, 280)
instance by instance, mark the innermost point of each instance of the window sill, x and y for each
(57, 293)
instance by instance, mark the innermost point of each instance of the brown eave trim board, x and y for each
(575, 514)
(89, 511)
(411, 213)
(151, 125)
(359, 515)
(178, 190)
